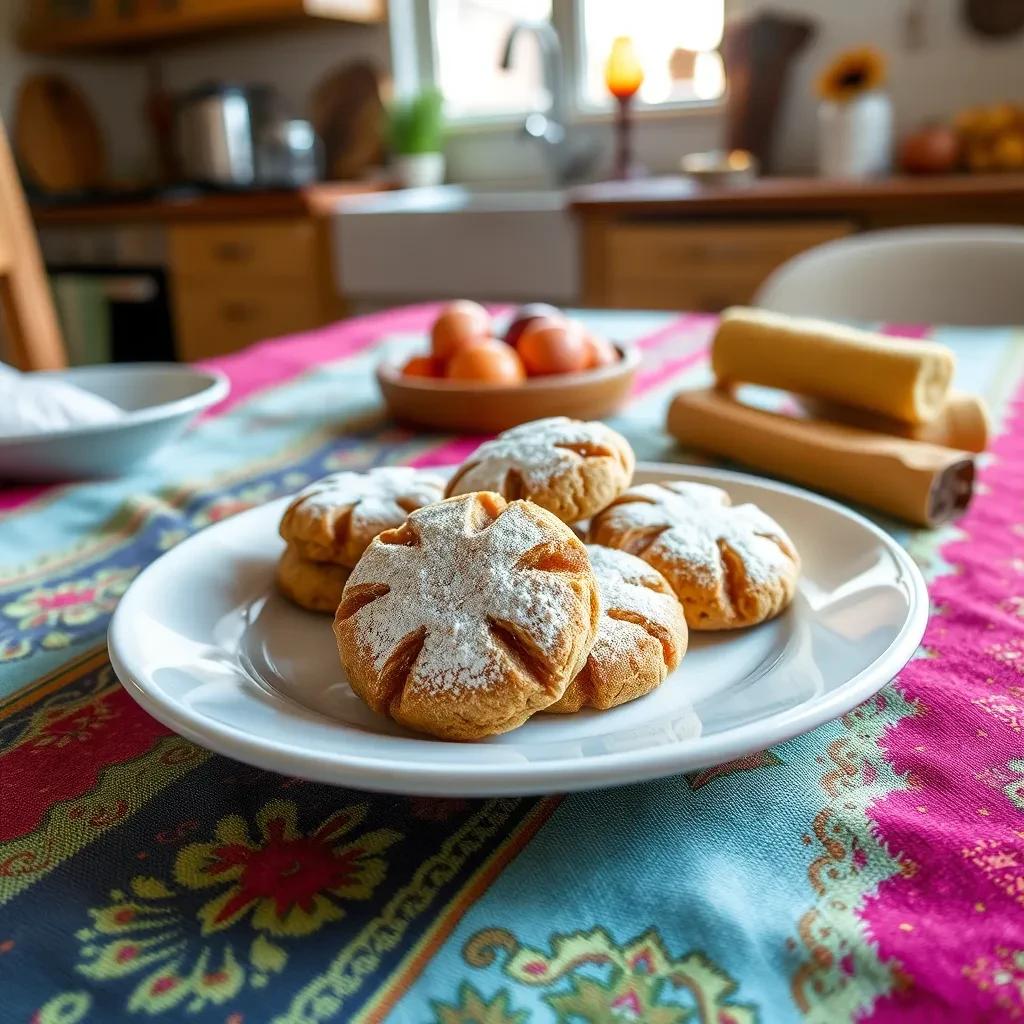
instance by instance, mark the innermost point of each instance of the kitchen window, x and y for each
(457, 45)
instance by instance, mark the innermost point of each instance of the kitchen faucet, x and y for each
(567, 158)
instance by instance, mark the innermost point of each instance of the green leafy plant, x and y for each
(416, 125)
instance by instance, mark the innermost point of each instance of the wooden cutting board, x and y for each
(347, 113)
(56, 138)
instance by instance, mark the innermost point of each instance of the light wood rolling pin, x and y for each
(923, 483)
(962, 423)
(905, 380)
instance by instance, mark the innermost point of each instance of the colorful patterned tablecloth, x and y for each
(871, 870)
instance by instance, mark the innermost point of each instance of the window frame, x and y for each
(414, 62)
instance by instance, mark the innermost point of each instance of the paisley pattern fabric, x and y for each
(872, 870)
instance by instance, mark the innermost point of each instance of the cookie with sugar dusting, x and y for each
(729, 565)
(315, 586)
(569, 467)
(641, 636)
(470, 617)
(333, 519)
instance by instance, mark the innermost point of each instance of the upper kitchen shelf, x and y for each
(67, 26)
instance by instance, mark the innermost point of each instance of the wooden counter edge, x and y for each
(679, 196)
(315, 201)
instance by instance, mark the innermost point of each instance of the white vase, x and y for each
(419, 170)
(855, 138)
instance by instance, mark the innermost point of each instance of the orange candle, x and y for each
(623, 73)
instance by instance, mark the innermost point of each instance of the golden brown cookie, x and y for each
(469, 618)
(729, 565)
(333, 519)
(569, 467)
(641, 637)
(315, 586)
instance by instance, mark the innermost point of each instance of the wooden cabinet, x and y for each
(693, 266)
(235, 282)
(60, 26)
(671, 243)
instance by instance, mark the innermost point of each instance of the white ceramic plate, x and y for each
(203, 643)
(159, 400)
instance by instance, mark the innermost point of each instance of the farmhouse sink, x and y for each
(456, 241)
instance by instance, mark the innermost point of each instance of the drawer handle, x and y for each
(233, 252)
(237, 312)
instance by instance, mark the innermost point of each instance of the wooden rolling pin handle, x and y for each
(923, 483)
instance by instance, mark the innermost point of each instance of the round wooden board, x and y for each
(57, 140)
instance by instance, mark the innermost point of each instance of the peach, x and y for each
(489, 362)
(548, 346)
(459, 325)
(600, 351)
(526, 315)
(422, 366)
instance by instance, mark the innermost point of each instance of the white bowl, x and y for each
(159, 398)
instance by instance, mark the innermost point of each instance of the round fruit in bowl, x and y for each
(489, 362)
(526, 315)
(458, 325)
(550, 345)
(476, 376)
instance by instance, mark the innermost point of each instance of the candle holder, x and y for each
(623, 74)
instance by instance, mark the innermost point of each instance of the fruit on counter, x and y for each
(460, 324)
(489, 361)
(992, 138)
(423, 366)
(600, 351)
(526, 315)
(553, 346)
(932, 149)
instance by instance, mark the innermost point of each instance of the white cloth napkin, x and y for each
(31, 404)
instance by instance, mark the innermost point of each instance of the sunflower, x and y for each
(851, 73)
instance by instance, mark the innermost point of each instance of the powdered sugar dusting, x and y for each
(532, 450)
(457, 579)
(380, 498)
(697, 518)
(624, 582)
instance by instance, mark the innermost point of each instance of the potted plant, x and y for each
(854, 116)
(415, 130)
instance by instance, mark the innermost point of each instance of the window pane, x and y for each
(469, 39)
(674, 39)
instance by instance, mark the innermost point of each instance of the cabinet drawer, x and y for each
(229, 250)
(211, 321)
(702, 267)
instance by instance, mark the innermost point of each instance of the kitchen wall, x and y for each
(113, 88)
(954, 68)
(292, 59)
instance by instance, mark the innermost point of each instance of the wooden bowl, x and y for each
(469, 407)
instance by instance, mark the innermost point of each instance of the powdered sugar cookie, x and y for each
(729, 565)
(315, 586)
(469, 618)
(569, 467)
(333, 519)
(641, 636)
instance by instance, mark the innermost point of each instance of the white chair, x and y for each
(954, 274)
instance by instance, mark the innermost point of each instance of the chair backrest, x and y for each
(30, 321)
(956, 274)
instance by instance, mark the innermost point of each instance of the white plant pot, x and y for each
(419, 170)
(855, 138)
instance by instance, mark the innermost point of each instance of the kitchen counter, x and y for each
(679, 196)
(311, 201)
(671, 243)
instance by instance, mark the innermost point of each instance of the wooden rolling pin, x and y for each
(962, 423)
(923, 483)
(905, 380)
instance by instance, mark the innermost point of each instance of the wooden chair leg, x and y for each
(30, 319)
